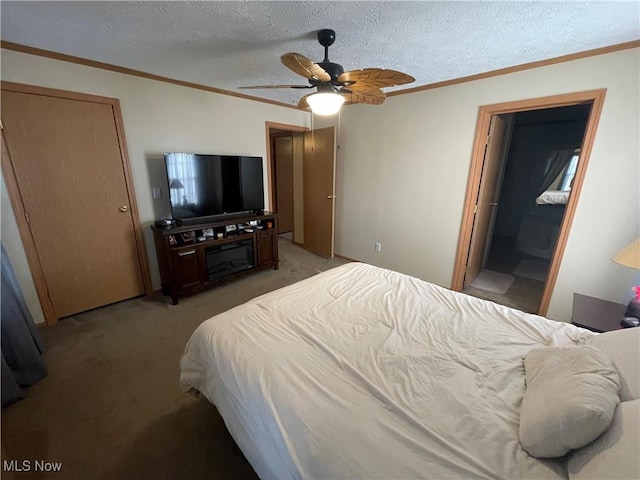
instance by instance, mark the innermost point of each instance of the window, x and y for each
(182, 179)
(569, 173)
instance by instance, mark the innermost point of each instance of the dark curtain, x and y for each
(557, 163)
(22, 363)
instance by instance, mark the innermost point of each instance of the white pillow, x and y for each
(623, 349)
(569, 401)
(616, 453)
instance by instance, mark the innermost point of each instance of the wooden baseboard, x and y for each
(349, 259)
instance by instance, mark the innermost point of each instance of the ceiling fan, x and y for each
(333, 85)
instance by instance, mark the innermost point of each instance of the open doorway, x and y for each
(527, 169)
(301, 177)
(536, 171)
(285, 156)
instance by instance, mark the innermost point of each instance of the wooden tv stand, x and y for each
(195, 257)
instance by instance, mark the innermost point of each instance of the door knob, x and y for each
(124, 208)
(331, 196)
(493, 204)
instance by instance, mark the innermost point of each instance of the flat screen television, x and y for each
(203, 186)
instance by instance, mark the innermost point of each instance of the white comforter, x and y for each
(360, 372)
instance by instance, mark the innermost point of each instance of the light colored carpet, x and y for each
(532, 269)
(491, 281)
(111, 406)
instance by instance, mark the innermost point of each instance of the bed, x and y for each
(362, 372)
(540, 224)
(553, 197)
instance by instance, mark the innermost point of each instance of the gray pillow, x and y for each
(571, 395)
(622, 347)
(615, 453)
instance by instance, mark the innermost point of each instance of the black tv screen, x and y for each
(207, 185)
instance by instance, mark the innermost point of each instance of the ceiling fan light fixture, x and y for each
(326, 103)
(334, 85)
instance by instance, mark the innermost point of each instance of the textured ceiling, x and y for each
(230, 44)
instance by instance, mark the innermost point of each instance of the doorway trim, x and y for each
(39, 279)
(271, 180)
(596, 98)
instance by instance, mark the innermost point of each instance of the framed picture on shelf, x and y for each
(188, 236)
(172, 240)
(207, 232)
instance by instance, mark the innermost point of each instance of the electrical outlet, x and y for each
(157, 193)
(378, 246)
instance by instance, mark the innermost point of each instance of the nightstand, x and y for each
(595, 314)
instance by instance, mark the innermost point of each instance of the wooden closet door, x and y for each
(319, 173)
(283, 148)
(69, 170)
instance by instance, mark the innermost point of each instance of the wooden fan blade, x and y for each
(305, 67)
(374, 78)
(373, 96)
(275, 86)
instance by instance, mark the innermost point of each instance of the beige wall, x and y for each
(157, 117)
(403, 168)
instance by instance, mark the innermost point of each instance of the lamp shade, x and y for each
(175, 183)
(629, 256)
(325, 103)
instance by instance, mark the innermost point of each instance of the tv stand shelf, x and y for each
(198, 256)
